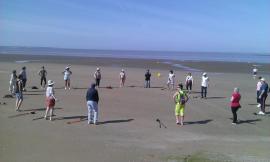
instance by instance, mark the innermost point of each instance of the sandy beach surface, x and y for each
(128, 130)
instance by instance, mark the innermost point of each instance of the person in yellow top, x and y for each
(180, 98)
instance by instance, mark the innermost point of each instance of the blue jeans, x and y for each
(203, 92)
(92, 112)
(147, 84)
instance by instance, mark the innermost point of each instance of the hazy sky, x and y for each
(175, 25)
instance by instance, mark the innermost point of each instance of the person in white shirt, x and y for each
(189, 81)
(170, 82)
(204, 85)
(122, 78)
(50, 99)
(255, 71)
(97, 77)
(67, 73)
(259, 84)
(12, 82)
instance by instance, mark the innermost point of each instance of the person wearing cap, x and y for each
(42, 73)
(147, 79)
(263, 95)
(204, 85)
(170, 82)
(235, 104)
(180, 98)
(24, 77)
(19, 92)
(50, 99)
(67, 73)
(189, 81)
(122, 78)
(12, 82)
(259, 84)
(92, 99)
(97, 77)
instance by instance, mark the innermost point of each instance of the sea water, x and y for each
(165, 55)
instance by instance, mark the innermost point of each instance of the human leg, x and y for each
(95, 110)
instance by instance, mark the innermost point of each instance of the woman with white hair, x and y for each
(235, 104)
(50, 99)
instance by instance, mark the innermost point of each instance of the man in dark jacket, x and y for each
(147, 79)
(92, 104)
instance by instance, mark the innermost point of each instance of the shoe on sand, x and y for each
(261, 113)
(259, 105)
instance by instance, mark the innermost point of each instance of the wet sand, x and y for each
(128, 130)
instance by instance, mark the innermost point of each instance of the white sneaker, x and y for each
(259, 105)
(261, 113)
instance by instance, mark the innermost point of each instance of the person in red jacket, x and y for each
(235, 104)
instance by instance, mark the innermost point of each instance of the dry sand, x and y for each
(128, 131)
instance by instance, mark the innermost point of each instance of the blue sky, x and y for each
(173, 25)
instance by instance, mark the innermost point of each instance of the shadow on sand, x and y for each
(253, 121)
(115, 121)
(198, 122)
(216, 97)
(42, 109)
(266, 105)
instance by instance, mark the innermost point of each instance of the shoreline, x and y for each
(188, 66)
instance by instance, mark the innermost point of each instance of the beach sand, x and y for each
(128, 131)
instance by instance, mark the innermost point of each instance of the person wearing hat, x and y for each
(147, 79)
(263, 95)
(204, 85)
(122, 78)
(42, 73)
(180, 98)
(50, 99)
(97, 77)
(12, 82)
(24, 77)
(67, 73)
(92, 99)
(19, 92)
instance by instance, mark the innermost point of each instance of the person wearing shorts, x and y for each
(50, 99)
(170, 82)
(180, 98)
(122, 76)
(19, 92)
(67, 73)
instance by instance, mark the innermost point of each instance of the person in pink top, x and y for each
(235, 104)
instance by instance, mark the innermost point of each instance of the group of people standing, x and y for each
(180, 97)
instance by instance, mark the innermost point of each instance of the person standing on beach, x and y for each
(259, 84)
(180, 98)
(92, 99)
(97, 77)
(189, 82)
(12, 82)
(235, 104)
(19, 92)
(50, 99)
(67, 73)
(255, 71)
(147, 79)
(24, 77)
(122, 78)
(42, 73)
(263, 95)
(204, 85)
(170, 82)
